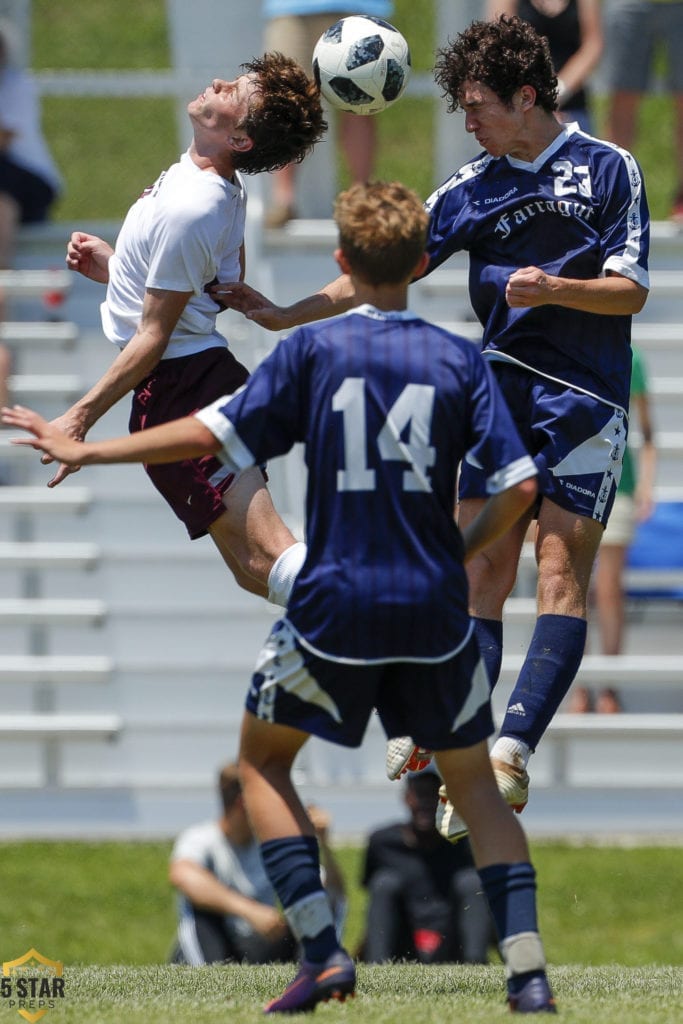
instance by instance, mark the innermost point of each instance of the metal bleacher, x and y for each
(125, 649)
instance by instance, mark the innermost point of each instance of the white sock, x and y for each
(283, 573)
(310, 916)
(522, 953)
(511, 751)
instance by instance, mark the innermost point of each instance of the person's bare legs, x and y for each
(5, 370)
(609, 597)
(250, 534)
(493, 572)
(282, 207)
(9, 222)
(291, 857)
(621, 120)
(678, 137)
(501, 856)
(495, 834)
(358, 137)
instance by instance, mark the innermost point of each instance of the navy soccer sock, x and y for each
(489, 634)
(511, 892)
(550, 666)
(293, 867)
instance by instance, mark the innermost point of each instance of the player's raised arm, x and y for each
(335, 297)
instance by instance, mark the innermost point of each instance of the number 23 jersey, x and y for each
(578, 211)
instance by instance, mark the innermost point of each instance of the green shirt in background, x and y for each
(627, 484)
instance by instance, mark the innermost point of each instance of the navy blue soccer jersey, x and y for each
(386, 405)
(578, 211)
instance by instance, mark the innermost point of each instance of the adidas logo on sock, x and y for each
(516, 709)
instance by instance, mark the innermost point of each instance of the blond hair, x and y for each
(382, 231)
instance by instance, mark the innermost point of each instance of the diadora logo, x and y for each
(501, 199)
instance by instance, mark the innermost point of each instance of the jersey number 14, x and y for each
(412, 410)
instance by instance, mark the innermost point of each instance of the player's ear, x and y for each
(342, 261)
(421, 266)
(527, 95)
(241, 143)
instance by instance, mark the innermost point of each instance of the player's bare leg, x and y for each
(566, 546)
(290, 855)
(501, 856)
(251, 537)
(491, 574)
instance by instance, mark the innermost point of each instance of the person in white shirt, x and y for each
(226, 904)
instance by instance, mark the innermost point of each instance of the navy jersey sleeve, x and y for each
(495, 444)
(451, 216)
(264, 418)
(624, 217)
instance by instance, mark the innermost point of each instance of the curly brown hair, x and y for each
(285, 118)
(504, 55)
(382, 230)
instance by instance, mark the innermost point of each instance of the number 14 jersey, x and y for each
(386, 405)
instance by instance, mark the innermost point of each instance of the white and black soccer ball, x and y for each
(361, 64)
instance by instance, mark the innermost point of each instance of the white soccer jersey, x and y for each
(183, 232)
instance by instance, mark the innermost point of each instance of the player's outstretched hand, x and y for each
(47, 438)
(252, 304)
(89, 255)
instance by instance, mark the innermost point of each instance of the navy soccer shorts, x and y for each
(441, 705)
(576, 440)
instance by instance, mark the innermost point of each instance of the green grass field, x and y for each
(396, 994)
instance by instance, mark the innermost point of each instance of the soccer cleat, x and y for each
(404, 756)
(334, 978)
(448, 823)
(534, 997)
(513, 784)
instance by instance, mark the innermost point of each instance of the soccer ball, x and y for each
(361, 64)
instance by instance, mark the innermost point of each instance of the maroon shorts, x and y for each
(179, 387)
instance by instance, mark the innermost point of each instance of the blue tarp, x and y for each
(658, 544)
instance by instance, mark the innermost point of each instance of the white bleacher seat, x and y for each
(32, 333)
(28, 283)
(616, 726)
(37, 555)
(55, 610)
(69, 499)
(59, 726)
(30, 668)
(68, 384)
(629, 669)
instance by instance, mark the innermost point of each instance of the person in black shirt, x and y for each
(426, 902)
